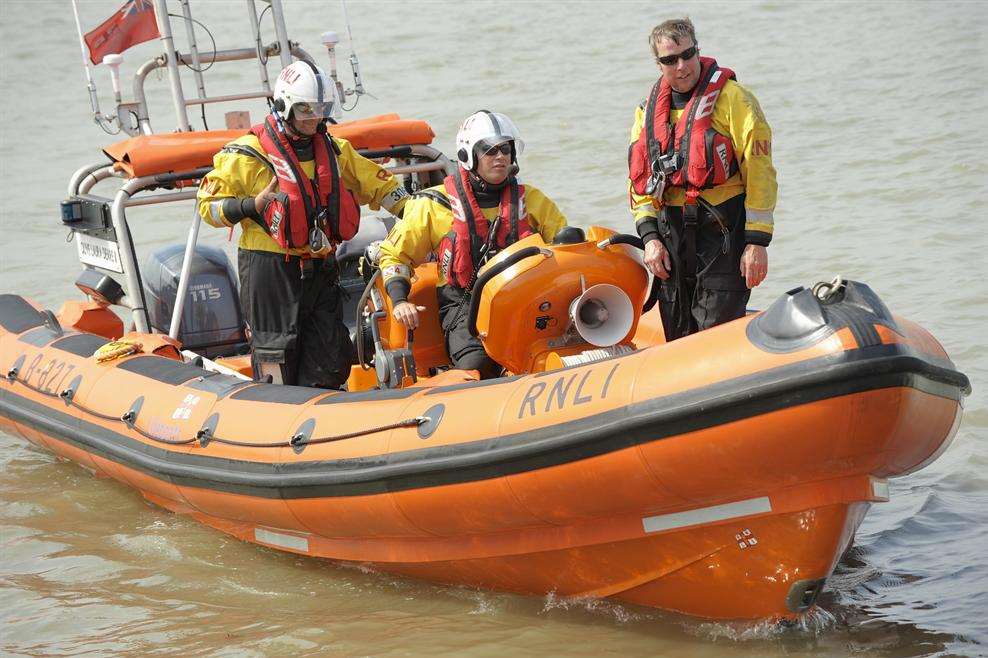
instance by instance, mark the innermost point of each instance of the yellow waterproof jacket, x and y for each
(737, 114)
(426, 222)
(241, 175)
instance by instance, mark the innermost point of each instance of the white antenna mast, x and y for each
(358, 82)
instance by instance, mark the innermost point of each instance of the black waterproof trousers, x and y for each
(465, 351)
(715, 292)
(294, 310)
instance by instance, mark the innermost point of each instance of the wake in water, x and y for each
(595, 606)
(810, 624)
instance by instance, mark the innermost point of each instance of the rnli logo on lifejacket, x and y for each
(276, 218)
(567, 390)
(722, 154)
(281, 168)
(706, 104)
(445, 260)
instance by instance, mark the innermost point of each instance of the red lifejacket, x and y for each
(460, 251)
(706, 158)
(303, 203)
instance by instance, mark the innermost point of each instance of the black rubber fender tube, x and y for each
(636, 242)
(624, 238)
(482, 280)
(393, 152)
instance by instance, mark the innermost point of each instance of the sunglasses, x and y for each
(669, 60)
(503, 148)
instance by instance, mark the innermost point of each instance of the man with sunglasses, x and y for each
(475, 213)
(701, 184)
(299, 190)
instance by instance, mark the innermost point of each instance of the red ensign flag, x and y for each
(130, 25)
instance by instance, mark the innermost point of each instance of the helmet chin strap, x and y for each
(482, 185)
(293, 134)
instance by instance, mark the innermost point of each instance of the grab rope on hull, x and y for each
(204, 436)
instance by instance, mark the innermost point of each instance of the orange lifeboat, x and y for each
(721, 475)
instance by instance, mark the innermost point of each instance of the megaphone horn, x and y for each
(602, 315)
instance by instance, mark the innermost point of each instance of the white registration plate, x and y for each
(99, 252)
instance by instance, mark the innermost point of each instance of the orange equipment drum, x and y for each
(526, 309)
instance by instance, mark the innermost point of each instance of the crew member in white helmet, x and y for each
(483, 193)
(299, 190)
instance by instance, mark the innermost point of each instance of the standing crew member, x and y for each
(702, 185)
(295, 191)
(475, 213)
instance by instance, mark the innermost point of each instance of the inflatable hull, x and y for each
(721, 475)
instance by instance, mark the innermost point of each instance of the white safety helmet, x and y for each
(482, 131)
(305, 89)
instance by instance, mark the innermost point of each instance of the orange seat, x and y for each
(429, 343)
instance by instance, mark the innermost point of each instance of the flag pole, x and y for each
(90, 85)
(174, 79)
(194, 50)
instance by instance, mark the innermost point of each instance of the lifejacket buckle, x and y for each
(316, 239)
(656, 184)
(662, 168)
(321, 216)
(667, 163)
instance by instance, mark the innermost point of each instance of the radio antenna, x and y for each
(358, 82)
(346, 19)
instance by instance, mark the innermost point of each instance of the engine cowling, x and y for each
(563, 300)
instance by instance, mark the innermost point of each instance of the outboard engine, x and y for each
(212, 320)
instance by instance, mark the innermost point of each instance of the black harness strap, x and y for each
(654, 147)
(436, 196)
(690, 222)
(334, 207)
(243, 149)
(515, 202)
